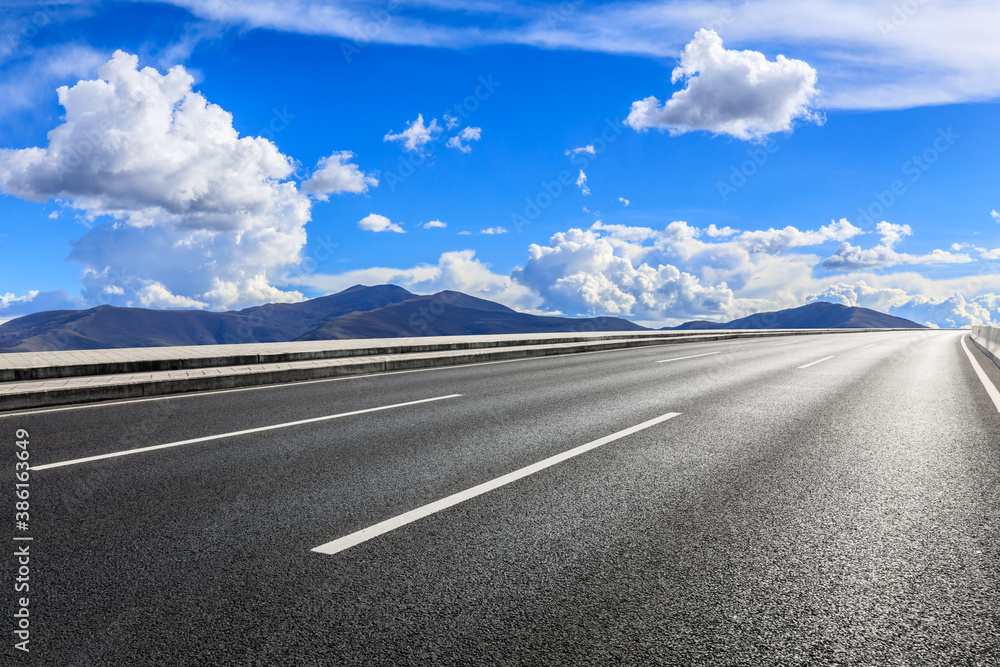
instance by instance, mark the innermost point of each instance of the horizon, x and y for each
(416, 294)
(658, 162)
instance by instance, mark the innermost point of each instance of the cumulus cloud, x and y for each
(589, 272)
(461, 140)
(682, 272)
(625, 202)
(996, 216)
(458, 270)
(779, 240)
(493, 230)
(664, 276)
(155, 295)
(676, 273)
(872, 55)
(850, 257)
(374, 222)
(334, 175)
(717, 232)
(581, 149)
(27, 83)
(176, 199)
(581, 182)
(416, 135)
(435, 224)
(954, 311)
(12, 305)
(739, 93)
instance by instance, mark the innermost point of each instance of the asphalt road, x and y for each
(793, 513)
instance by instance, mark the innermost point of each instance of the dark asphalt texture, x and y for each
(843, 514)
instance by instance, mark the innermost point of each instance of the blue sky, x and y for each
(660, 161)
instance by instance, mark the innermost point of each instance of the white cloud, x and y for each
(739, 93)
(582, 149)
(587, 272)
(461, 140)
(625, 202)
(952, 311)
(872, 55)
(850, 257)
(155, 295)
(465, 233)
(493, 230)
(996, 216)
(174, 195)
(34, 301)
(450, 122)
(716, 232)
(779, 240)
(459, 271)
(680, 272)
(374, 222)
(416, 135)
(435, 224)
(581, 182)
(334, 175)
(29, 83)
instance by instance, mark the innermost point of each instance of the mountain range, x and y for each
(818, 315)
(383, 311)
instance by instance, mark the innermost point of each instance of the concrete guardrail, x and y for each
(39, 379)
(987, 339)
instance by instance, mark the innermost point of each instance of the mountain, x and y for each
(383, 311)
(819, 315)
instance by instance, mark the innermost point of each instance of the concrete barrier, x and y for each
(987, 339)
(42, 379)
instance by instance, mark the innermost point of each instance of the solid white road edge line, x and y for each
(990, 387)
(366, 534)
(693, 356)
(818, 361)
(236, 433)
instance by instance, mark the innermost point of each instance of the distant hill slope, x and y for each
(110, 327)
(358, 312)
(384, 311)
(453, 313)
(819, 315)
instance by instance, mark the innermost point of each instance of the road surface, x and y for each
(808, 500)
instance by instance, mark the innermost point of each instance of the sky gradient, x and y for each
(659, 161)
